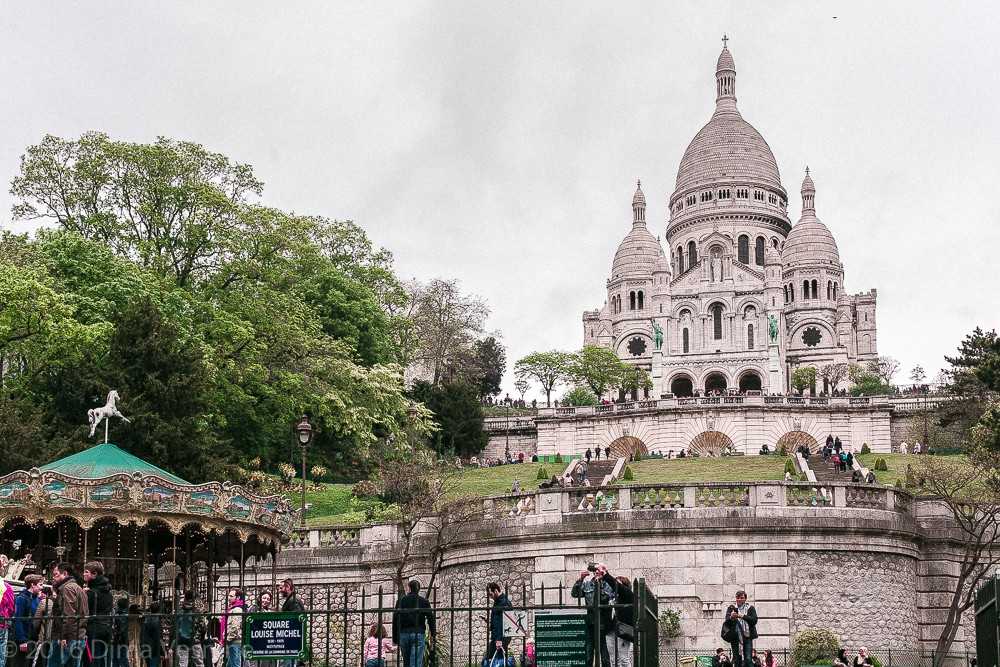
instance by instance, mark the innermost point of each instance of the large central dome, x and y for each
(727, 148)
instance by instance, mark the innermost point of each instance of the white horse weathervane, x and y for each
(95, 415)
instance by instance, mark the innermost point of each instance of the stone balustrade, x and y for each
(643, 501)
(652, 405)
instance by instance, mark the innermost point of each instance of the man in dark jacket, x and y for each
(25, 605)
(69, 619)
(189, 632)
(740, 629)
(497, 643)
(412, 615)
(598, 595)
(101, 603)
(292, 602)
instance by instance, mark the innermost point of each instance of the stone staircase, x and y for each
(597, 470)
(826, 471)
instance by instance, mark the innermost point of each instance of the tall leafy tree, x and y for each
(458, 414)
(598, 367)
(546, 368)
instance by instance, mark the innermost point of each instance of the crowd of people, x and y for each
(66, 620)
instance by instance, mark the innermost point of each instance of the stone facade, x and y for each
(877, 588)
(741, 297)
(875, 568)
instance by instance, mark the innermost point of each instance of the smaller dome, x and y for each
(809, 242)
(637, 253)
(639, 199)
(726, 61)
(662, 264)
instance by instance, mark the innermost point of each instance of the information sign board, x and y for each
(276, 635)
(561, 637)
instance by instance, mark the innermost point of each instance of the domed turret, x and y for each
(809, 242)
(639, 250)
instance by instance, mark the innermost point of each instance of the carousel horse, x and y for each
(97, 415)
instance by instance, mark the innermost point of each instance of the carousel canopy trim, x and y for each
(106, 460)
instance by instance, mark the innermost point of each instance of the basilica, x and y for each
(740, 297)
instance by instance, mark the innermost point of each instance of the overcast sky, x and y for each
(499, 142)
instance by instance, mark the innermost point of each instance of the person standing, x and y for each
(496, 641)
(100, 602)
(740, 629)
(232, 628)
(25, 606)
(69, 619)
(377, 647)
(152, 636)
(621, 634)
(41, 625)
(412, 620)
(189, 628)
(119, 635)
(597, 594)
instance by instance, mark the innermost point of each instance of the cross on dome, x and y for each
(724, 40)
(638, 205)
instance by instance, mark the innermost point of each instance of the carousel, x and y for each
(155, 533)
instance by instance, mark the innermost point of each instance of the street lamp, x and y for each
(304, 432)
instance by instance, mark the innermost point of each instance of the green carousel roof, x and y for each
(105, 460)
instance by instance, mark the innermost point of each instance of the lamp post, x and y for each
(304, 432)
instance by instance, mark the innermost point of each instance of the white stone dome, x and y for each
(809, 242)
(727, 148)
(637, 253)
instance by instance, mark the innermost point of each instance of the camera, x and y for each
(592, 567)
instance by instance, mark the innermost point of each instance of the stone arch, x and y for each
(715, 380)
(626, 446)
(711, 443)
(682, 385)
(750, 380)
(795, 439)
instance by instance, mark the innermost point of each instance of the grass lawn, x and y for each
(332, 502)
(722, 469)
(897, 465)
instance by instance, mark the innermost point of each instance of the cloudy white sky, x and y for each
(499, 142)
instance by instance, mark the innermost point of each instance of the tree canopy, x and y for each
(220, 320)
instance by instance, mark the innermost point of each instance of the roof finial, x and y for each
(807, 170)
(724, 40)
(638, 205)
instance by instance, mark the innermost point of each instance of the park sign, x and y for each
(561, 637)
(276, 635)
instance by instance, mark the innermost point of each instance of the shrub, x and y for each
(287, 472)
(790, 467)
(865, 449)
(881, 465)
(670, 623)
(628, 476)
(558, 458)
(813, 646)
(365, 489)
(318, 472)
(782, 450)
(899, 483)
(543, 473)
(875, 661)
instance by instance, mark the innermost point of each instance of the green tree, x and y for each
(546, 368)
(635, 379)
(598, 367)
(803, 378)
(458, 414)
(884, 368)
(446, 324)
(579, 396)
(522, 386)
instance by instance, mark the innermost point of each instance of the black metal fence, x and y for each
(340, 623)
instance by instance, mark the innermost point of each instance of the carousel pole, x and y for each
(243, 564)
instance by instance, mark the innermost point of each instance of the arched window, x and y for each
(686, 340)
(786, 293)
(835, 290)
(758, 256)
(640, 300)
(631, 300)
(829, 290)
(692, 254)
(749, 336)
(805, 289)
(774, 242)
(815, 291)
(750, 312)
(717, 321)
(684, 313)
(791, 292)
(680, 260)
(743, 249)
